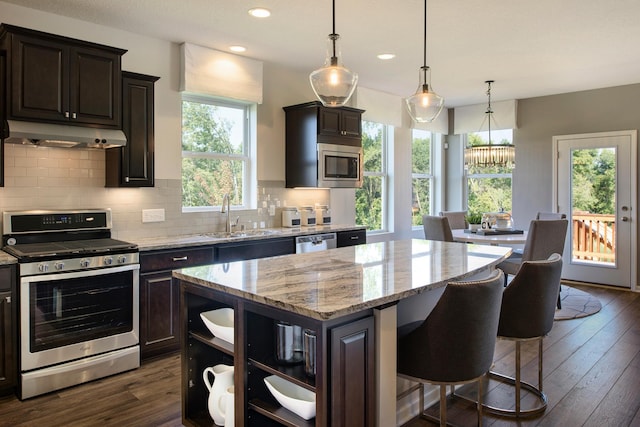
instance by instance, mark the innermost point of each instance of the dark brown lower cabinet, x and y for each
(352, 374)
(159, 314)
(8, 331)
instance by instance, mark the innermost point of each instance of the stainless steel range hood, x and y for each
(50, 135)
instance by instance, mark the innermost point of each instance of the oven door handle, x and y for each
(97, 292)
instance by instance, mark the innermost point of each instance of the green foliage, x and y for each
(593, 180)
(205, 177)
(474, 218)
(369, 197)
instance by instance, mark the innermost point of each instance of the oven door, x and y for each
(69, 316)
(339, 166)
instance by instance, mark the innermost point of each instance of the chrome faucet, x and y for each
(226, 208)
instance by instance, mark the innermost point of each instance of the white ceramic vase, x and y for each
(227, 407)
(223, 379)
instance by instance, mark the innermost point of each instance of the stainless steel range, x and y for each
(78, 298)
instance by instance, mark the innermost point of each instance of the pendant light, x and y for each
(425, 105)
(487, 155)
(333, 84)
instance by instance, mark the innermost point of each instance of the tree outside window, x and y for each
(215, 158)
(489, 188)
(370, 198)
(421, 175)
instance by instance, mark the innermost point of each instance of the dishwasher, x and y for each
(316, 243)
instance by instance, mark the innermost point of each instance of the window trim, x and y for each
(419, 175)
(384, 175)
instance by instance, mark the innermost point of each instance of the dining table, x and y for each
(497, 239)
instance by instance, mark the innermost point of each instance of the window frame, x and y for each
(248, 158)
(383, 174)
(467, 175)
(430, 176)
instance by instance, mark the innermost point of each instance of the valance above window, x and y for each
(211, 72)
(473, 118)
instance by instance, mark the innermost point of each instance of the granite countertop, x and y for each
(330, 284)
(173, 242)
(6, 259)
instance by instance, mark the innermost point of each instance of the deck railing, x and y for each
(594, 237)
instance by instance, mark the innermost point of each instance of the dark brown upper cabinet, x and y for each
(132, 165)
(312, 122)
(62, 80)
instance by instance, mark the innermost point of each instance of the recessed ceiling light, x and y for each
(237, 48)
(386, 56)
(260, 12)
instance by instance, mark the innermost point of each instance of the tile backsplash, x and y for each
(57, 178)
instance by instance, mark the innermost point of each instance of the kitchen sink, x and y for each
(245, 233)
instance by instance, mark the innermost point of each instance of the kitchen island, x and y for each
(347, 296)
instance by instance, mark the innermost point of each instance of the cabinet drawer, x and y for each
(172, 259)
(351, 238)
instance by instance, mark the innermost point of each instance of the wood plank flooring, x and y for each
(591, 369)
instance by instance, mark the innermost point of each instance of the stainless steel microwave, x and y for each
(339, 166)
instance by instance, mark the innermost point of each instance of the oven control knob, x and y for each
(84, 262)
(122, 259)
(59, 265)
(108, 260)
(43, 267)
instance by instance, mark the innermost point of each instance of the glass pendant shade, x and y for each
(333, 84)
(425, 105)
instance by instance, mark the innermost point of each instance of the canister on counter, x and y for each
(290, 217)
(307, 216)
(323, 215)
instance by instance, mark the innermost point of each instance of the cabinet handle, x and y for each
(66, 114)
(354, 237)
(8, 299)
(180, 258)
(73, 116)
(126, 179)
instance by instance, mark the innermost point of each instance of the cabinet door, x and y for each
(159, 314)
(352, 374)
(39, 79)
(132, 165)
(329, 121)
(351, 123)
(3, 106)
(95, 87)
(7, 365)
(229, 252)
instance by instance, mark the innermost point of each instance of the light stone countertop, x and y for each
(175, 242)
(6, 259)
(330, 284)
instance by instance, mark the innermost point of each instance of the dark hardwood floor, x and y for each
(592, 378)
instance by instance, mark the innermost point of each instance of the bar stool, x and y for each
(528, 306)
(455, 343)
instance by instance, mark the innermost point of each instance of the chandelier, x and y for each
(333, 83)
(503, 155)
(425, 105)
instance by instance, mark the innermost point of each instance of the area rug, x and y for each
(576, 303)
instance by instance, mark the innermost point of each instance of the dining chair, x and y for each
(455, 343)
(526, 314)
(457, 219)
(550, 215)
(545, 237)
(437, 228)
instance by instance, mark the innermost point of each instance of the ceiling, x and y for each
(530, 48)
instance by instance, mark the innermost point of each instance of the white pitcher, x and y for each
(223, 379)
(227, 407)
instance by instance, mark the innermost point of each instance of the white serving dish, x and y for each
(220, 323)
(298, 400)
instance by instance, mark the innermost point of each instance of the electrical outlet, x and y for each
(152, 215)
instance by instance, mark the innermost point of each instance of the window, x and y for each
(216, 153)
(421, 175)
(489, 188)
(370, 199)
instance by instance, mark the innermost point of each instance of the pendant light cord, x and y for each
(489, 111)
(333, 33)
(424, 57)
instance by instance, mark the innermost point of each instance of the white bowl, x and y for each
(220, 323)
(297, 399)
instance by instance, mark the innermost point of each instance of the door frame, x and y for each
(633, 178)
